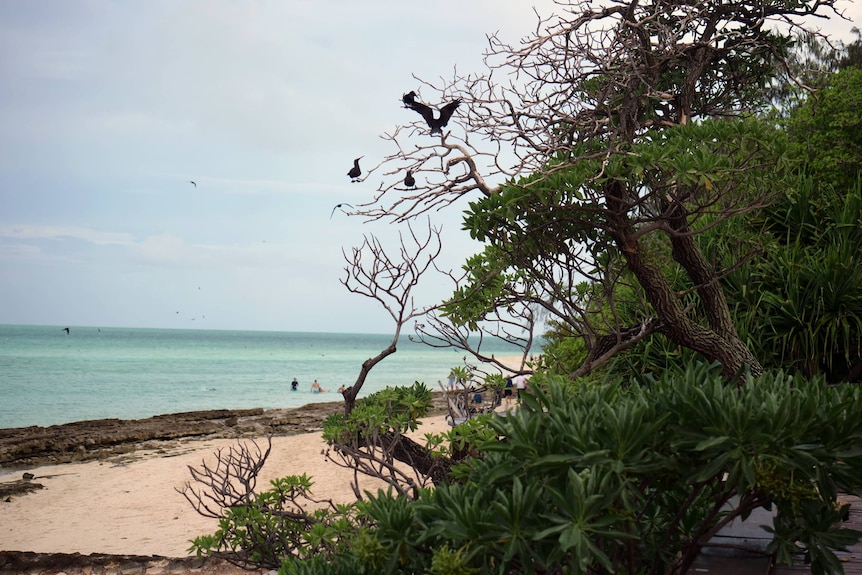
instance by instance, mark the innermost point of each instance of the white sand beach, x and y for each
(131, 506)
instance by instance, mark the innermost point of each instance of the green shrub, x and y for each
(596, 478)
(276, 524)
(635, 479)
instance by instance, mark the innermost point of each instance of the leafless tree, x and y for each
(373, 272)
(228, 483)
(514, 323)
(389, 277)
(565, 119)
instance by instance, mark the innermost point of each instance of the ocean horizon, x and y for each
(50, 377)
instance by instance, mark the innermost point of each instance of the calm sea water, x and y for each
(49, 377)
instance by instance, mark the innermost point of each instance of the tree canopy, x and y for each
(622, 132)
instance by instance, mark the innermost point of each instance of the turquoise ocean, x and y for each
(49, 377)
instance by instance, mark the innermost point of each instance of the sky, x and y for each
(109, 109)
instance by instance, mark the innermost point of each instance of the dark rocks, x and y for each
(18, 487)
(103, 438)
(87, 440)
(18, 562)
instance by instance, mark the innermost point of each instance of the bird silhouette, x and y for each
(66, 329)
(427, 112)
(193, 183)
(409, 99)
(355, 172)
(339, 206)
(409, 180)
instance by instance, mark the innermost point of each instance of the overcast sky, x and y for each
(108, 109)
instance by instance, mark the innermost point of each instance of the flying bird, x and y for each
(66, 329)
(355, 172)
(193, 183)
(339, 206)
(409, 180)
(427, 112)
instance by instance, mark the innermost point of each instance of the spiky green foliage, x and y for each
(284, 521)
(802, 304)
(633, 479)
(589, 478)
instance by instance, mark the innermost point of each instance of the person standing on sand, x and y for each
(507, 391)
(315, 388)
(294, 385)
(520, 385)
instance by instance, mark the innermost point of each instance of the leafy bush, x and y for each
(372, 440)
(276, 524)
(636, 479)
(592, 478)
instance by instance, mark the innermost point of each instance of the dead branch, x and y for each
(372, 272)
(228, 483)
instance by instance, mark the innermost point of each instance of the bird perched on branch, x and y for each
(340, 206)
(355, 172)
(427, 112)
(409, 99)
(409, 180)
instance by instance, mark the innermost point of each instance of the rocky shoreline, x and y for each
(25, 447)
(17, 563)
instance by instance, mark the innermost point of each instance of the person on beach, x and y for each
(507, 391)
(520, 385)
(315, 388)
(294, 385)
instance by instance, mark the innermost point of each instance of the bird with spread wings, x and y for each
(436, 123)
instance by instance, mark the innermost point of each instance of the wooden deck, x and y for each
(851, 559)
(740, 563)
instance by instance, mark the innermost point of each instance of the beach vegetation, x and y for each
(589, 477)
(262, 527)
(374, 441)
(796, 303)
(636, 479)
(283, 521)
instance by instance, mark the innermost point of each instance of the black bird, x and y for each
(355, 172)
(409, 99)
(339, 206)
(66, 329)
(409, 180)
(427, 112)
(192, 183)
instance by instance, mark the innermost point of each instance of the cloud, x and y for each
(37, 232)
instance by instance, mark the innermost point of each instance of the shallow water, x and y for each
(48, 376)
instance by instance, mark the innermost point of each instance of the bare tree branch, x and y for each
(373, 273)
